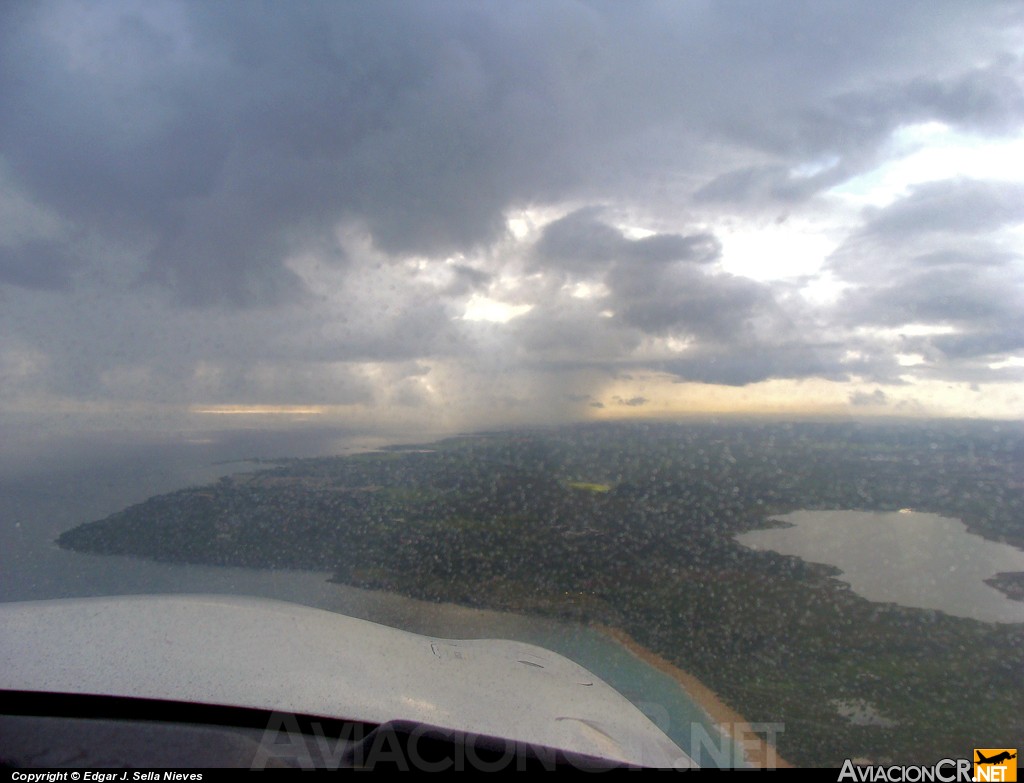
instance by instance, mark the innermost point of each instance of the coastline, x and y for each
(448, 619)
(759, 753)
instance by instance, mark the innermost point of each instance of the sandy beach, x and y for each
(758, 752)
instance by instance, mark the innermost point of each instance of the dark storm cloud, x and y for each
(736, 331)
(986, 98)
(230, 135)
(656, 283)
(757, 360)
(632, 402)
(954, 295)
(466, 279)
(959, 206)
(664, 286)
(579, 241)
(935, 256)
(739, 331)
(963, 280)
(980, 306)
(582, 243)
(861, 399)
(760, 184)
(842, 135)
(262, 194)
(853, 125)
(43, 264)
(679, 299)
(566, 331)
(1007, 338)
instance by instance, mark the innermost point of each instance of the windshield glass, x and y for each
(684, 339)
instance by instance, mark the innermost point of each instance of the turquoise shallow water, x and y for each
(655, 693)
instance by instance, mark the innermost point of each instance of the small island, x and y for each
(632, 527)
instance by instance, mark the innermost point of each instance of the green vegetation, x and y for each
(503, 521)
(589, 487)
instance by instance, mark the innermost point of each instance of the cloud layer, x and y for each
(303, 204)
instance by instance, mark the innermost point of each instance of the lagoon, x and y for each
(910, 558)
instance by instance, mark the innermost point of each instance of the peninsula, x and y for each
(633, 527)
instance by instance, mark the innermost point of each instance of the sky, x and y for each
(412, 216)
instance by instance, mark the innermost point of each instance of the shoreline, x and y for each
(758, 753)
